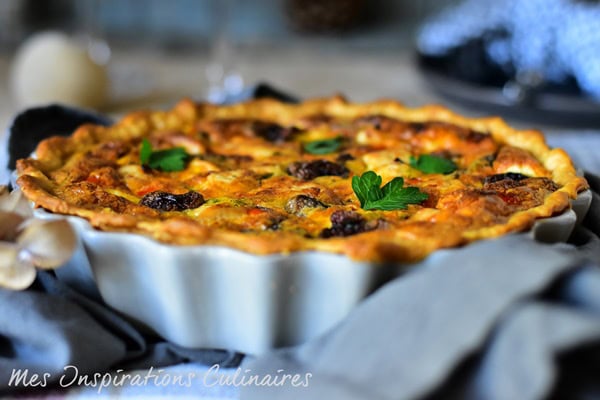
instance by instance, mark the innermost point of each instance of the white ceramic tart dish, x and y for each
(218, 297)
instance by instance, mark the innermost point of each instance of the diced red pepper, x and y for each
(255, 211)
(147, 189)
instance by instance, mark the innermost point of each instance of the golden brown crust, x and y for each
(242, 163)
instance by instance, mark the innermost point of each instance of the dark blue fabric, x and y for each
(35, 124)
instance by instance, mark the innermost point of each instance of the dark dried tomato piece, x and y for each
(513, 176)
(417, 127)
(476, 137)
(273, 132)
(344, 157)
(165, 201)
(345, 223)
(312, 169)
(296, 204)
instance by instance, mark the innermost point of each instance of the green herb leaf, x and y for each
(398, 200)
(392, 196)
(393, 186)
(166, 160)
(431, 164)
(145, 151)
(325, 146)
(366, 187)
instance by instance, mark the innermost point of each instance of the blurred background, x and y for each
(479, 56)
(158, 51)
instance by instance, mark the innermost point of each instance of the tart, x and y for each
(375, 181)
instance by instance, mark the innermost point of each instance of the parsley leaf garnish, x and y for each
(431, 164)
(392, 196)
(325, 146)
(145, 151)
(166, 160)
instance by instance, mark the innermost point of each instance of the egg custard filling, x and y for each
(374, 181)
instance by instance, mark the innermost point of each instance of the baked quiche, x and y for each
(375, 181)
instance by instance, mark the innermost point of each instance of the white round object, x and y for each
(51, 67)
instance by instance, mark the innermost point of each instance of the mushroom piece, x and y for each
(46, 244)
(9, 225)
(14, 202)
(26, 242)
(15, 272)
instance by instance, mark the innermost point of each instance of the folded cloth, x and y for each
(51, 326)
(498, 319)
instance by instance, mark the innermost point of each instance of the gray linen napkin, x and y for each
(490, 321)
(51, 326)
